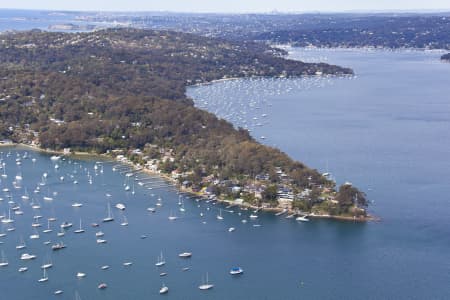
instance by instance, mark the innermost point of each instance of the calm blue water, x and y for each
(387, 131)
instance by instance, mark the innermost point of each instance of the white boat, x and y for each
(25, 196)
(231, 229)
(160, 261)
(302, 219)
(252, 216)
(105, 267)
(185, 254)
(81, 275)
(58, 292)
(99, 234)
(101, 241)
(206, 285)
(27, 256)
(8, 220)
(120, 206)
(219, 216)
(236, 271)
(172, 216)
(55, 157)
(127, 264)
(66, 225)
(4, 260)
(102, 286)
(151, 209)
(23, 269)
(44, 277)
(80, 230)
(35, 235)
(21, 245)
(124, 222)
(110, 217)
(47, 265)
(164, 289)
(77, 204)
(58, 246)
(48, 230)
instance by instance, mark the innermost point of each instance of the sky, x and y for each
(233, 6)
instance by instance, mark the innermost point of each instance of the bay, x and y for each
(387, 131)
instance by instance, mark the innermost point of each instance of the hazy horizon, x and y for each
(234, 6)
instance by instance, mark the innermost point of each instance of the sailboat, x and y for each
(172, 216)
(48, 230)
(125, 221)
(219, 216)
(44, 277)
(206, 285)
(4, 171)
(181, 206)
(25, 196)
(80, 230)
(48, 197)
(21, 244)
(3, 261)
(47, 264)
(160, 262)
(8, 220)
(109, 218)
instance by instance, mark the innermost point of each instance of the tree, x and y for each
(270, 193)
(349, 196)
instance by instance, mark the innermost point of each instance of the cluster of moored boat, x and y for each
(14, 209)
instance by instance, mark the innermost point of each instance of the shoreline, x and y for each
(231, 203)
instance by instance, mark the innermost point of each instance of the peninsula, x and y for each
(122, 92)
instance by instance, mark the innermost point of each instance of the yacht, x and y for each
(66, 225)
(81, 275)
(99, 234)
(27, 256)
(105, 267)
(120, 206)
(151, 209)
(58, 246)
(102, 286)
(185, 254)
(23, 269)
(77, 204)
(101, 241)
(164, 289)
(252, 216)
(231, 229)
(302, 219)
(58, 292)
(236, 271)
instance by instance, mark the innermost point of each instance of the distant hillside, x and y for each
(125, 89)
